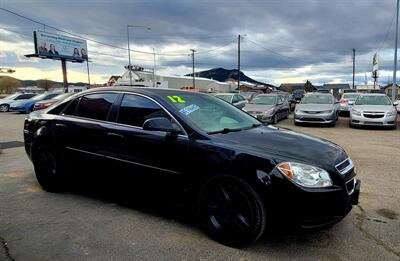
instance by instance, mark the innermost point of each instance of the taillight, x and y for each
(342, 101)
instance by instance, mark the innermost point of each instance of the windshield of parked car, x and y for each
(317, 99)
(350, 96)
(225, 97)
(373, 100)
(209, 113)
(11, 96)
(265, 100)
(62, 96)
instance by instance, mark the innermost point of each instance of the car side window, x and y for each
(235, 99)
(95, 106)
(23, 96)
(135, 110)
(241, 98)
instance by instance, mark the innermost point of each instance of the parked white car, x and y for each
(373, 109)
(6, 101)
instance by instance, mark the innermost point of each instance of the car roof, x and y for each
(318, 93)
(268, 94)
(373, 94)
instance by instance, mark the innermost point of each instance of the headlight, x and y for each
(392, 113)
(355, 112)
(305, 175)
(327, 111)
(270, 111)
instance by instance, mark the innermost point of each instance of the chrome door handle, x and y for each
(59, 125)
(112, 134)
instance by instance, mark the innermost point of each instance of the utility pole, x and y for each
(129, 48)
(354, 64)
(394, 86)
(238, 80)
(154, 69)
(194, 81)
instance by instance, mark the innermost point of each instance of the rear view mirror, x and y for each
(161, 124)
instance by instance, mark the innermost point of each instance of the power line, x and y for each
(387, 33)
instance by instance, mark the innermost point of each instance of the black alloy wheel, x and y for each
(232, 212)
(47, 169)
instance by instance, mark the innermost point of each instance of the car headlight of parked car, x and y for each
(327, 111)
(355, 112)
(305, 175)
(269, 112)
(392, 113)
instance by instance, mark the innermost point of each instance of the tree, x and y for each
(308, 87)
(9, 84)
(44, 84)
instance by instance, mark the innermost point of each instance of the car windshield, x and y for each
(317, 99)
(265, 100)
(225, 97)
(209, 113)
(61, 96)
(373, 100)
(11, 96)
(350, 96)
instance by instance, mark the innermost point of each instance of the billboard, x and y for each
(56, 46)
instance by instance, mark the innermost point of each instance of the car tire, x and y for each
(231, 212)
(333, 124)
(4, 108)
(48, 168)
(275, 119)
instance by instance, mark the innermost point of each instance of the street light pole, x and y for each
(394, 86)
(194, 81)
(238, 80)
(129, 48)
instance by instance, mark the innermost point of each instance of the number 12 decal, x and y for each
(176, 99)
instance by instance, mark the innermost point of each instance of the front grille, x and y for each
(312, 112)
(313, 119)
(254, 112)
(373, 123)
(350, 186)
(374, 115)
(345, 166)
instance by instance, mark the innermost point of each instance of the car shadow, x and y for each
(155, 201)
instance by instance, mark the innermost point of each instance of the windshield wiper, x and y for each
(224, 130)
(227, 130)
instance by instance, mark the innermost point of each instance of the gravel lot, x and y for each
(36, 225)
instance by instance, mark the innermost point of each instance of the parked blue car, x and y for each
(26, 106)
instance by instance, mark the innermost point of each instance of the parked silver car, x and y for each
(236, 99)
(317, 108)
(268, 108)
(347, 101)
(6, 101)
(373, 109)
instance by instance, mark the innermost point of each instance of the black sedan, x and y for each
(242, 177)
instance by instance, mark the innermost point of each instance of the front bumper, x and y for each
(344, 107)
(384, 121)
(311, 208)
(315, 118)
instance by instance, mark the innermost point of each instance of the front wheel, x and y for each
(4, 108)
(231, 211)
(275, 119)
(47, 168)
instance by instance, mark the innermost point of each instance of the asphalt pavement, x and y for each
(73, 225)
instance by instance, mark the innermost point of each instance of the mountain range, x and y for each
(222, 75)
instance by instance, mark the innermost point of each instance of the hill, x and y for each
(222, 75)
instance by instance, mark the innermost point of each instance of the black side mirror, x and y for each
(161, 124)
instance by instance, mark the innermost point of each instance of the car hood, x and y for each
(257, 107)
(284, 145)
(314, 107)
(374, 108)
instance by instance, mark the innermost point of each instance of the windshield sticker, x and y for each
(176, 99)
(189, 109)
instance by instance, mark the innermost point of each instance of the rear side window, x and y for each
(235, 98)
(95, 106)
(135, 110)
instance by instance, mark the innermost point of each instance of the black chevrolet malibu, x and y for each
(241, 176)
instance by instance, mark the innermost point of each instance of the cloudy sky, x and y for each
(283, 40)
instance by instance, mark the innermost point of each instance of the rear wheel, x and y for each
(4, 108)
(232, 212)
(47, 168)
